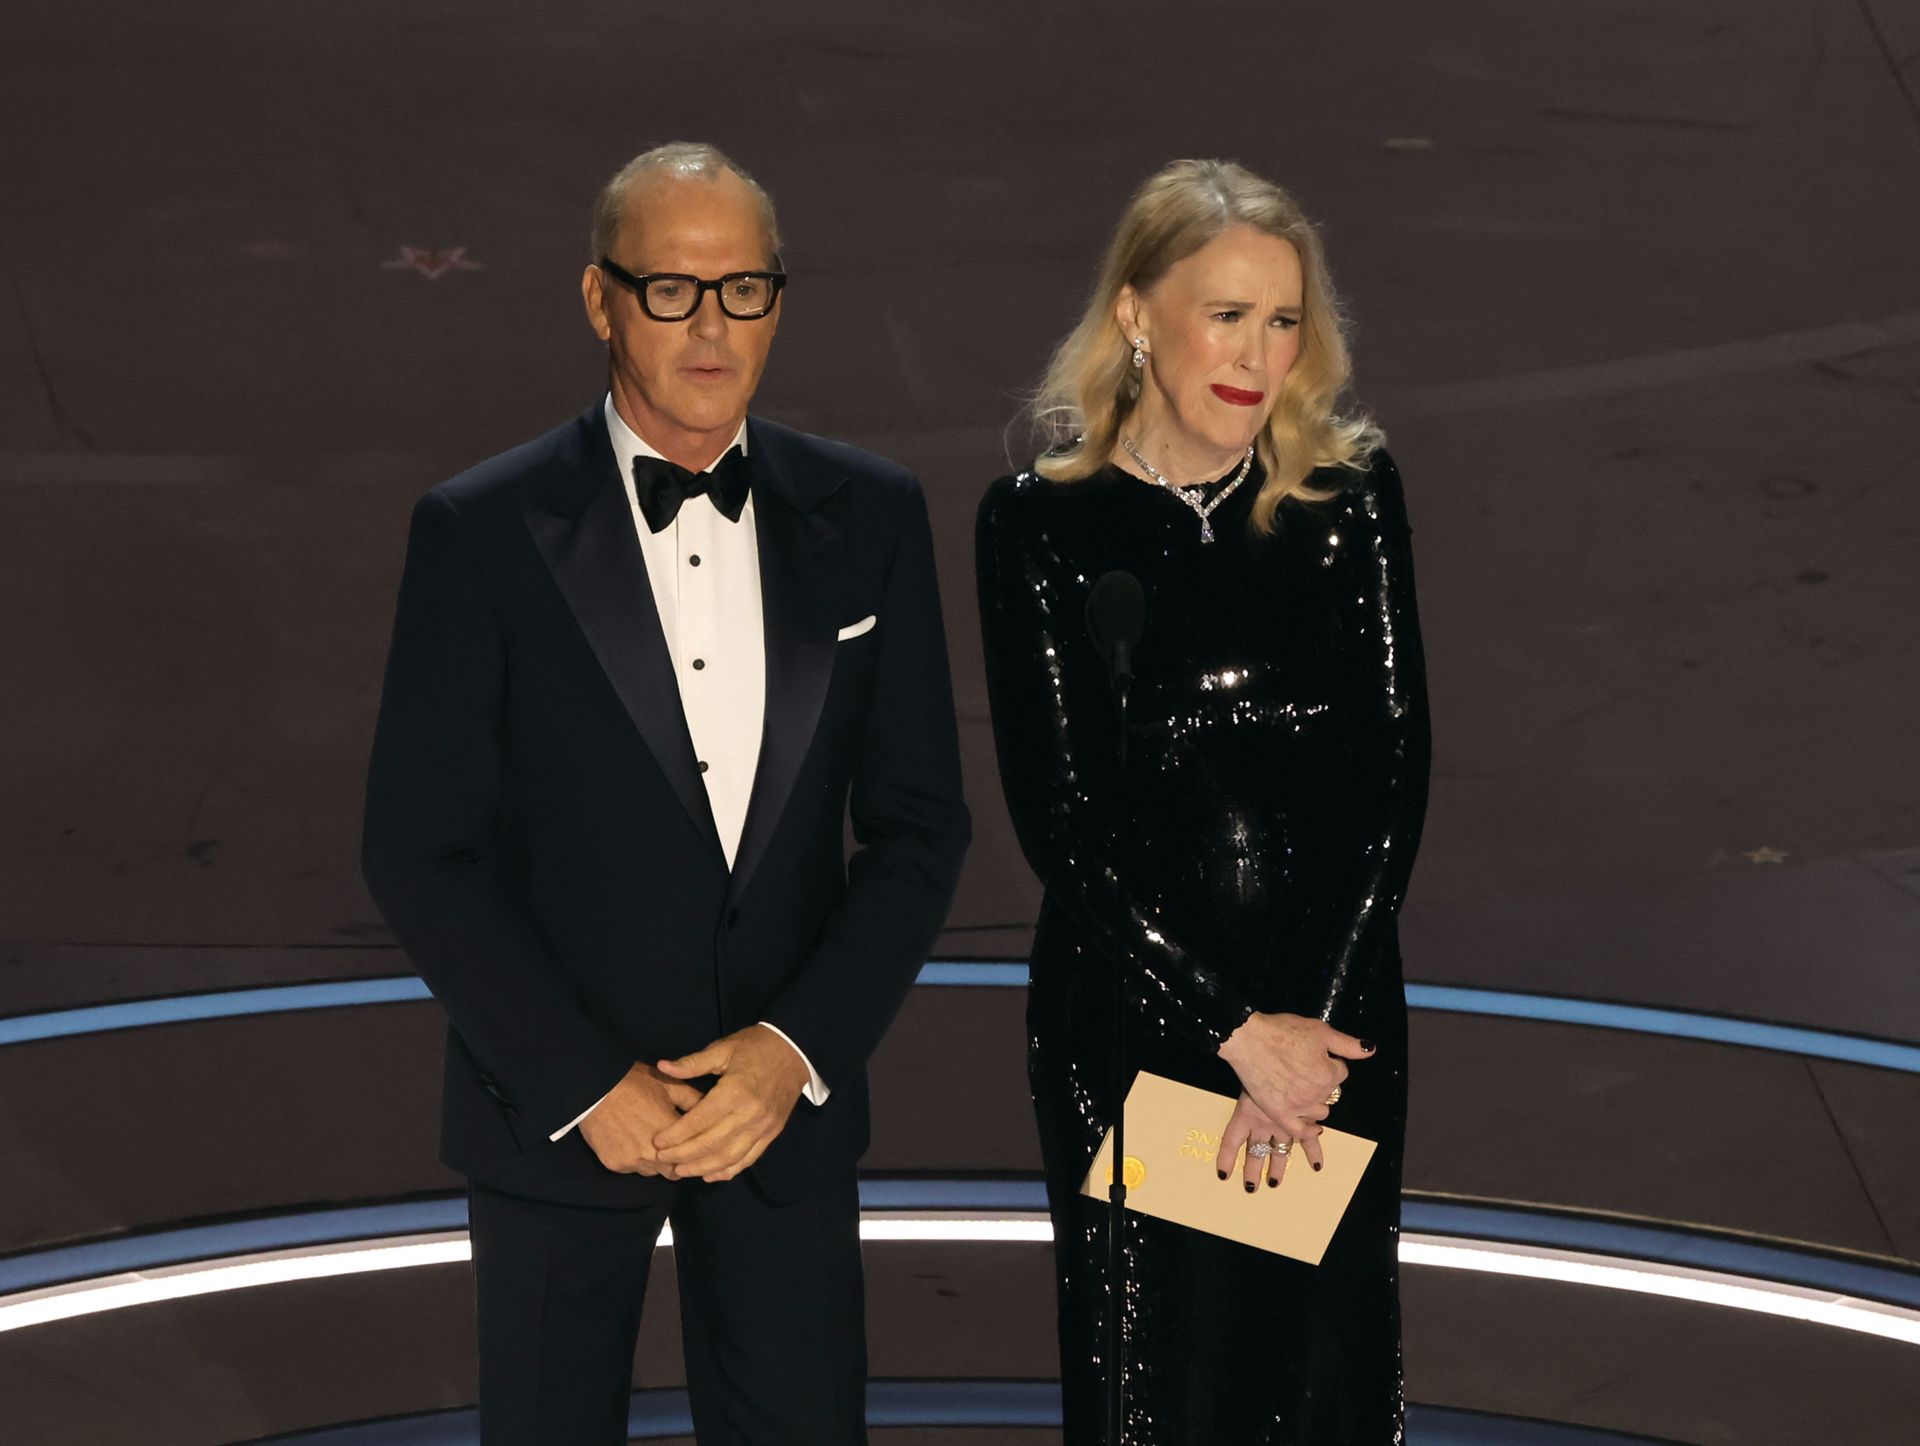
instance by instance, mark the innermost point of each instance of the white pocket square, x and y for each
(853, 630)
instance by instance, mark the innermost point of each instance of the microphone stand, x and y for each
(1116, 617)
(1117, 1171)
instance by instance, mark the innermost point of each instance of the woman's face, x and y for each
(1222, 327)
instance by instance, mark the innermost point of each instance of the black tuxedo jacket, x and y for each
(538, 838)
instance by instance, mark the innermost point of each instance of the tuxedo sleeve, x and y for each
(910, 825)
(431, 850)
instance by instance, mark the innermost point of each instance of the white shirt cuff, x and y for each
(816, 1090)
(557, 1134)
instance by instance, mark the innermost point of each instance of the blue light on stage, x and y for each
(1003, 974)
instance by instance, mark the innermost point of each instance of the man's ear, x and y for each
(593, 294)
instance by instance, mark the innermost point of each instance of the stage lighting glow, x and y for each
(237, 1272)
(1675, 1282)
(966, 1229)
(1565, 1267)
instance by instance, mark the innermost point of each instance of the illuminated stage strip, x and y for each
(1848, 1294)
(1645, 1277)
(1000, 974)
(241, 1272)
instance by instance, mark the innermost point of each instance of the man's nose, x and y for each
(709, 318)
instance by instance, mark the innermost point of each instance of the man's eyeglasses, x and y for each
(674, 296)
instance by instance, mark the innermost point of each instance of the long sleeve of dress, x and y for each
(1391, 718)
(1042, 745)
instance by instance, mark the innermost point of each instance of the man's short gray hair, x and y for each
(676, 160)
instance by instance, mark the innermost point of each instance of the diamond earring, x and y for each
(1139, 351)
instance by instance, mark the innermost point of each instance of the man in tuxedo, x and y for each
(642, 668)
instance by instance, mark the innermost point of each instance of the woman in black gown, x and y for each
(1248, 875)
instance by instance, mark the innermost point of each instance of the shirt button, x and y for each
(699, 663)
(703, 765)
(694, 560)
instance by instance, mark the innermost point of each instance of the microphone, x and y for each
(1116, 616)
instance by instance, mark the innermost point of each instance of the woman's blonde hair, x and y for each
(1090, 385)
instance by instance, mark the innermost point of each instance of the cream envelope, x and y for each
(1173, 1135)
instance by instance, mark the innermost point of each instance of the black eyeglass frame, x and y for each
(638, 285)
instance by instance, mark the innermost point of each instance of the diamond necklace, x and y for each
(1185, 494)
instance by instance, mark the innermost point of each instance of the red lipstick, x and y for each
(1237, 397)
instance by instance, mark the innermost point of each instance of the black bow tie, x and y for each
(662, 486)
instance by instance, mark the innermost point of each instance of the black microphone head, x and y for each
(1116, 613)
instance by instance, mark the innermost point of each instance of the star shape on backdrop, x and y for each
(1765, 855)
(432, 264)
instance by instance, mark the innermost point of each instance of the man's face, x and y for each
(684, 385)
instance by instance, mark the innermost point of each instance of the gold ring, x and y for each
(1334, 1098)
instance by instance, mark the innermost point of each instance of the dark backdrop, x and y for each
(1635, 296)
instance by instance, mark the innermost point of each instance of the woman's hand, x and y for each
(1249, 1126)
(1287, 1066)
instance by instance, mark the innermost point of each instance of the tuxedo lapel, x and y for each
(583, 525)
(800, 532)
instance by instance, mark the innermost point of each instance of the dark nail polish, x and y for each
(1271, 1182)
(1368, 1045)
(1249, 1187)
(1223, 1174)
(1316, 1164)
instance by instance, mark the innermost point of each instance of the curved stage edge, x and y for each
(955, 973)
(1849, 1293)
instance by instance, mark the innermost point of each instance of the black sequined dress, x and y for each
(1255, 859)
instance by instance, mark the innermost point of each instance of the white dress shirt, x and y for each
(705, 576)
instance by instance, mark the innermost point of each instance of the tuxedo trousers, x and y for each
(772, 1314)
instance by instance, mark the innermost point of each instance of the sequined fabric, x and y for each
(1252, 856)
